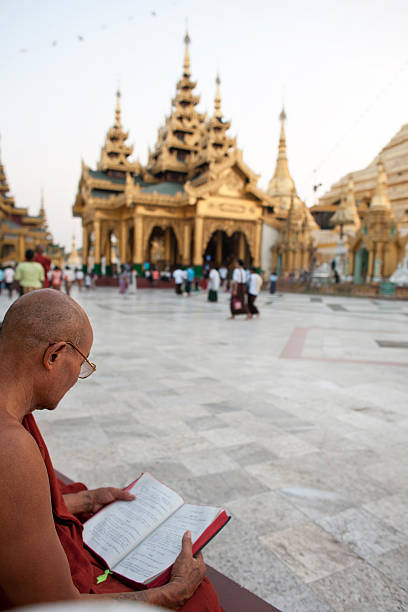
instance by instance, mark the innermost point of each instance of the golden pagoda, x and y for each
(18, 229)
(377, 247)
(291, 225)
(195, 201)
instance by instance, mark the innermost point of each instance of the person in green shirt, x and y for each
(29, 273)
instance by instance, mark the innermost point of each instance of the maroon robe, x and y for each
(84, 566)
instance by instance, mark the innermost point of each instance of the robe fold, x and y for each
(83, 565)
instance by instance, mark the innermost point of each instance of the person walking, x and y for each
(40, 258)
(69, 278)
(123, 282)
(238, 303)
(272, 282)
(79, 278)
(9, 280)
(213, 284)
(189, 279)
(29, 273)
(255, 284)
(56, 278)
(178, 276)
(223, 272)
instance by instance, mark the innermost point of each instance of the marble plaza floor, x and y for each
(296, 422)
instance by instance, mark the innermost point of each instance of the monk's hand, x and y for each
(187, 573)
(89, 502)
(98, 498)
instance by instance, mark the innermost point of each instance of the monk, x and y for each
(45, 340)
(44, 261)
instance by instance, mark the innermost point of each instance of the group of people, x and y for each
(37, 272)
(246, 286)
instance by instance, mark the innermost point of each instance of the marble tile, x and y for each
(310, 552)
(392, 510)
(267, 512)
(362, 532)
(360, 587)
(248, 454)
(394, 565)
(221, 488)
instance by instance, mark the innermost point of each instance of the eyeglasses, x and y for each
(87, 367)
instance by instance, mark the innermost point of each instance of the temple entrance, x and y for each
(224, 249)
(360, 266)
(162, 248)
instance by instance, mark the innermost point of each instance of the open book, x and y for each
(140, 540)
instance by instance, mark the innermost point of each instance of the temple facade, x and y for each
(363, 218)
(20, 231)
(194, 202)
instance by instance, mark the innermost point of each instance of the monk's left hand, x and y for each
(89, 502)
(105, 495)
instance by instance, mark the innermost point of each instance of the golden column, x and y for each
(258, 240)
(167, 245)
(186, 244)
(122, 242)
(21, 253)
(138, 244)
(85, 247)
(198, 242)
(97, 247)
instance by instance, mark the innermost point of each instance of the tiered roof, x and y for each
(115, 151)
(176, 150)
(215, 144)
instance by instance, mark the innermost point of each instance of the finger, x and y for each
(186, 544)
(122, 494)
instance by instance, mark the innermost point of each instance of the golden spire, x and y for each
(346, 213)
(281, 183)
(42, 208)
(380, 200)
(217, 101)
(187, 41)
(117, 111)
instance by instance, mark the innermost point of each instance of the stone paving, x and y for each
(297, 422)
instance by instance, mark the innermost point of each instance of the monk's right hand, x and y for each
(187, 573)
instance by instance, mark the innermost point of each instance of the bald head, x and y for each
(42, 316)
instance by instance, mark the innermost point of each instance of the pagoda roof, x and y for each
(101, 175)
(166, 188)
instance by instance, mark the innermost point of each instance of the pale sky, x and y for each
(340, 67)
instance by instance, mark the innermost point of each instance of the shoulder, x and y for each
(18, 449)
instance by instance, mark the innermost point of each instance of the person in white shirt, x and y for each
(178, 276)
(9, 280)
(255, 284)
(79, 277)
(223, 272)
(69, 278)
(239, 290)
(213, 284)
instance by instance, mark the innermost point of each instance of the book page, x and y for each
(114, 531)
(157, 552)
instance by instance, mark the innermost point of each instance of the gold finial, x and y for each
(187, 41)
(282, 116)
(42, 207)
(217, 101)
(117, 112)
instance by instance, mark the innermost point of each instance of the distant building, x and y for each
(195, 201)
(20, 231)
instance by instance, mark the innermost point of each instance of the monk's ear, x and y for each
(53, 354)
